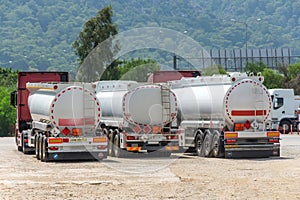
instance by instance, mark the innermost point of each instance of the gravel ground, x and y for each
(182, 176)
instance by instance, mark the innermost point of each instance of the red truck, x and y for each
(57, 119)
(19, 99)
(165, 76)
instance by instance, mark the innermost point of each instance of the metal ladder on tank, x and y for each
(88, 111)
(166, 105)
(259, 102)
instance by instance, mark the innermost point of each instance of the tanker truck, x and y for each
(63, 120)
(137, 118)
(226, 116)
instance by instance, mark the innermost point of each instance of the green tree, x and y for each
(137, 70)
(293, 70)
(293, 77)
(273, 79)
(254, 67)
(8, 77)
(215, 69)
(7, 112)
(96, 30)
(8, 80)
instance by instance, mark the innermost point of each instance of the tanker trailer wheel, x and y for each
(37, 147)
(199, 144)
(207, 144)
(40, 141)
(285, 125)
(217, 148)
(111, 144)
(16, 138)
(118, 152)
(45, 154)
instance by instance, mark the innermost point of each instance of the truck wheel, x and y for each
(40, 146)
(118, 152)
(199, 145)
(18, 147)
(37, 147)
(207, 144)
(217, 150)
(111, 145)
(45, 155)
(24, 149)
(285, 126)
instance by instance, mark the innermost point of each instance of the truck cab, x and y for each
(284, 109)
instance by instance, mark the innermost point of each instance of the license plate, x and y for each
(78, 139)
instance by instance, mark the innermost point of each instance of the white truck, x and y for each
(285, 109)
(226, 116)
(137, 118)
(65, 117)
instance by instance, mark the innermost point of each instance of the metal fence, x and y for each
(236, 59)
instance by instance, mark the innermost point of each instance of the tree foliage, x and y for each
(254, 68)
(137, 69)
(96, 31)
(39, 34)
(273, 79)
(215, 69)
(8, 80)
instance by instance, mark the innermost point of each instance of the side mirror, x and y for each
(13, 98)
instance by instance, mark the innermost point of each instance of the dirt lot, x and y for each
(178, 177)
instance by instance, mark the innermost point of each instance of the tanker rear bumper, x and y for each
(151, 147)
(252, 151)
(76, 156)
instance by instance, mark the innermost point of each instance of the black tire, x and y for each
(217, 147)
(45, 154)
(285, 126)
(199, 145)
(37, 147)
(111, 145)
(41, 146)
(24, 149)
(207, 145)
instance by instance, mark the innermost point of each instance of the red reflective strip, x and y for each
(248, 112)
(76, 122)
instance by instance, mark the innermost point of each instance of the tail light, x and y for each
(55, 140)
(77, 131)
(231, 141)
(128, 137)
(239, 127)
(100, 139)
(53, 148)
(274, 140)
(101, 147)
(273, 134)
(230, 135)
(172, 137)
(65, 140)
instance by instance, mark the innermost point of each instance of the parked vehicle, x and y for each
(58, 121)
(285, 109)
(226, 116)
(165, 76)
(137, 117)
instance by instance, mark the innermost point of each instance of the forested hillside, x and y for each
(38, 34)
